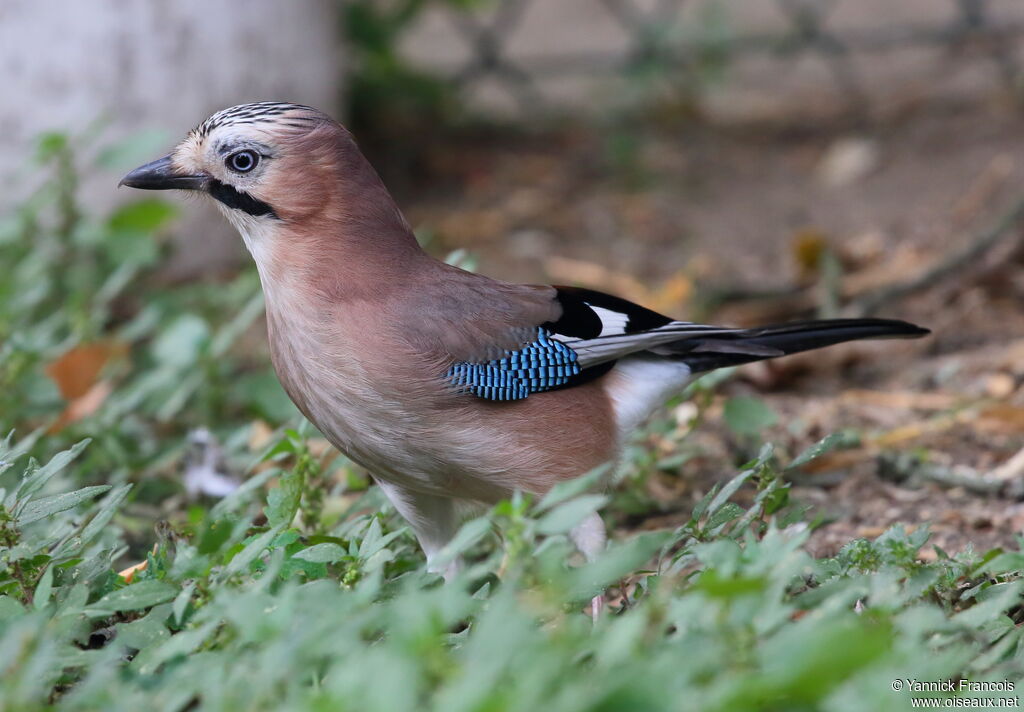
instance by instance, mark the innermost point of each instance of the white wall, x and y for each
(155, 64)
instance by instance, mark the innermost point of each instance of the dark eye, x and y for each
(243, 161)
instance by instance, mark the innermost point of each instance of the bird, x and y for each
(447, 386)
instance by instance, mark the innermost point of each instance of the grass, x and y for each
(303, 590)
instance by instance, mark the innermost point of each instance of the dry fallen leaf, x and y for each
(259, 435)
(1012, 469)
(79, 368)
(870, 532)
(83, 406)
(913, 431)
(840, 460)
(77, 373)
(669, 297)
(129, 573)
(1000, 385)
(903, 400)
(570, 271)
(807, 247)
(1001, 417)
(672, 295)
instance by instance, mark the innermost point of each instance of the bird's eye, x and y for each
(243, 161)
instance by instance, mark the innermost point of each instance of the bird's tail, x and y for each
(746, 345)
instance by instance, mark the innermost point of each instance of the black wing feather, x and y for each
(600, 329)
(580, 320)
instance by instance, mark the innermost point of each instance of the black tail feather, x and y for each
(749, 345)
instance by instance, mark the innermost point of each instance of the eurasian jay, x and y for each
(444, 384)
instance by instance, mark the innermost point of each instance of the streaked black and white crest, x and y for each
(258, 112)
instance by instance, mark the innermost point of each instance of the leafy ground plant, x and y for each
(243, 611)
(302, 589)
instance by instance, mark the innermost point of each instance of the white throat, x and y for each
(257, 234)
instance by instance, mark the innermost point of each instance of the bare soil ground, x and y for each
(670, 219)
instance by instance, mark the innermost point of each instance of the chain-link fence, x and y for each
(742, 59)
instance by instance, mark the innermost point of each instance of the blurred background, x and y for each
(744, 162)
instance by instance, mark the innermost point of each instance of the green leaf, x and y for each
(181, 602)
(374, 540)
(214, 535)
(43, 589)
(46, 506)
(704, 503)
(322, 554)
(469, 534)
(716, 585)
(182, 341)
(146, 631)
(105, 513)
(73, 599)
(618, 561)
(10, 452)
(10, 608)
(137, 596)
(49, 144)
(96, 525)
(179, 645)
(285, 539)
(748, 416)
(728, 512)
(727, 491)
(283, 501)
(1001, 563)
(34, 482)
(263, 392)
(826, 444)
(993, 602)
(251, 551)
(571, 488)
(567, 515)
(142, 216)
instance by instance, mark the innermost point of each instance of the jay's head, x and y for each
(291, 180)
(265, 164)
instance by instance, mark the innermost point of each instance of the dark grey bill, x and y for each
(160, 175)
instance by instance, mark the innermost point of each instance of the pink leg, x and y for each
(589, 537)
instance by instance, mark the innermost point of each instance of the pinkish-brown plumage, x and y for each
(365, 328)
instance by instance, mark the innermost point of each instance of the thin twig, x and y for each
(1012, 469)
(973, 251)
(800, 301)
(1005, 481)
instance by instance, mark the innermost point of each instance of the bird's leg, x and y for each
(433, 519)
(589, 537)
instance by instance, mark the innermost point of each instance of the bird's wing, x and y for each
(601, 328)
(506, 342)
(572, 336)
(502, 341)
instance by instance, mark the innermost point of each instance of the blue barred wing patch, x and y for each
(540, 366)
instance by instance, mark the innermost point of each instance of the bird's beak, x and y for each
(161, 175)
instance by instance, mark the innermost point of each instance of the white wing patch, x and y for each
(638, 385)
(613, 323)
